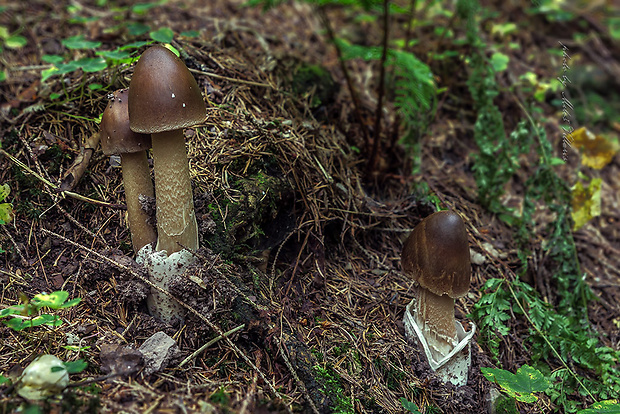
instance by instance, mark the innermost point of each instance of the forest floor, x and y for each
(301, 242)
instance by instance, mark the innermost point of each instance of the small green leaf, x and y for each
(6, 209)
(409, 406)
(135, 45)
(74, 367)
(54, 300)
(2, 75)
(602, 407)
(95, 86)
(19, 324)
(15, 42)
(137, 29)
(499, 61)
(82, 19)
(142, 8)
(613, 23)
(48, 73)
(114, 54)
(5, 190)
(521, 385)
(70, 303)
(502, 29)
(163, 35)
(53, 59)
(11, 310)
(79, 42)
(4, 380)
(190, 33)
(92, 64)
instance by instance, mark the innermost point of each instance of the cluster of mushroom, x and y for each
(436, 257)
(163, 98)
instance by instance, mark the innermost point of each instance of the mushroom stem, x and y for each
(176, 220)
(434, 315)
(137, 180)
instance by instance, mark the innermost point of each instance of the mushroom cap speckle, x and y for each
(116, 137)
(163, 94)
(436, 255)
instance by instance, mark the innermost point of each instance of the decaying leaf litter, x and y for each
(328, 300)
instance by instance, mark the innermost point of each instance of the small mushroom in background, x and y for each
(43, 378)
(164, 98)
(436, 257)
(117, 138)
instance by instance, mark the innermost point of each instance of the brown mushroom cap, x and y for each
(164, 96)
(436, 255)
(116, 137)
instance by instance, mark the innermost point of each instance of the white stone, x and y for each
(157, 352)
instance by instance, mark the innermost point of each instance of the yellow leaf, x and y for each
(596, 150)
(586, 202)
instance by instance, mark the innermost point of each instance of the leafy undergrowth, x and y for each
(327, 138)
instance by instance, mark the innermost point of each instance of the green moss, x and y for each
(315, 80)
(506, 405)
(392, 376)
(239, 223)
(220, 397)
(332, 387)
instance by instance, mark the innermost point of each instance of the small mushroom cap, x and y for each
(116, 137)
(163, 94)
(436, 255)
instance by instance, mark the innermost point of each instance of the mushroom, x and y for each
(44, 377)
(117, 138)
(436, 256)
(164, 98)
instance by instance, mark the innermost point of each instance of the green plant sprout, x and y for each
(6, 209)
(28, 315)
(11, 41)
(409, 406)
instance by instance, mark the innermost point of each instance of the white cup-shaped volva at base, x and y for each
(161, 269)
(44, 377)
(454, 366)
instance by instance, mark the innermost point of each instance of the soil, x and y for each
(300, 243)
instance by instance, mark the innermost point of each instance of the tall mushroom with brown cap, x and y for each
(436, 256)
(164, 98)
(117, 138)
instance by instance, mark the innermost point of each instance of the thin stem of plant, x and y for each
(372, 159)
(354, 97)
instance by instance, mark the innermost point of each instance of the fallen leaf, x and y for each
(586, 202)
(596, 150)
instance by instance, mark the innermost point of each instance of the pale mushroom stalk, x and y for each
(137, 181)
(118, 138)
(176, 220)
(434, 315)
